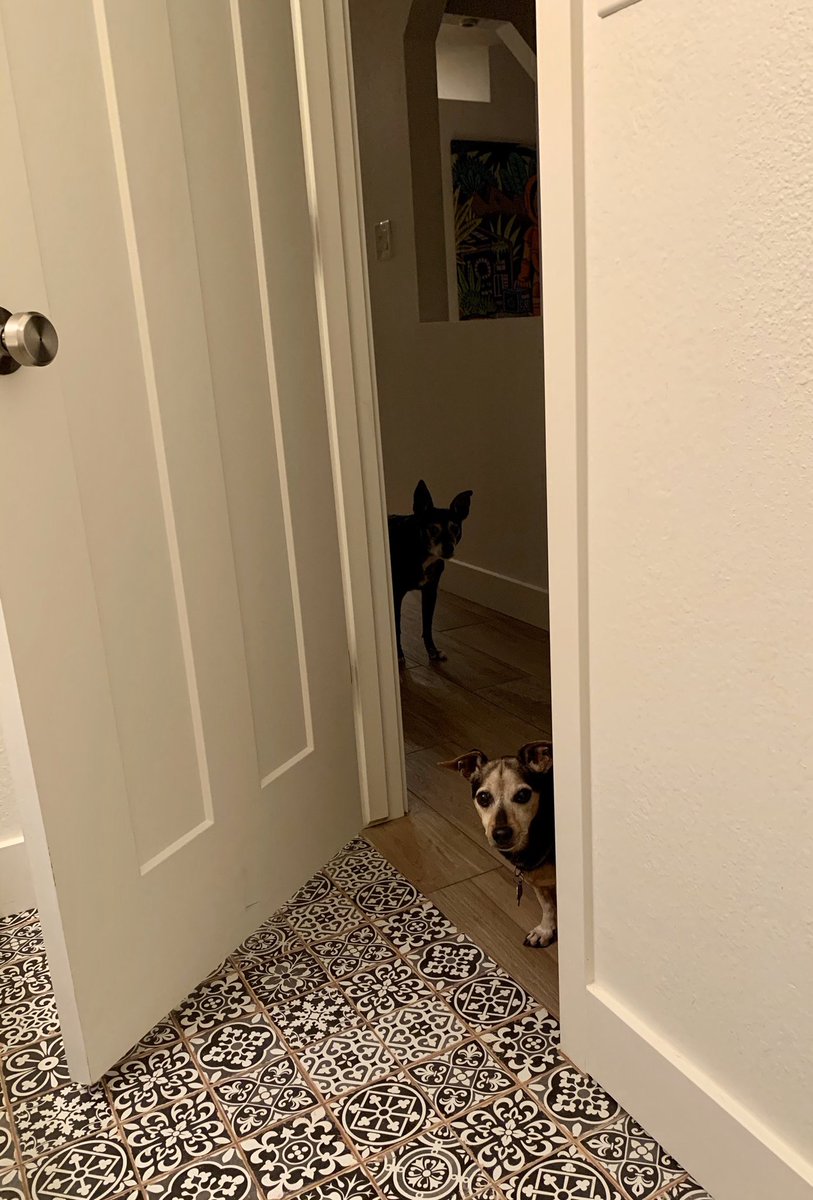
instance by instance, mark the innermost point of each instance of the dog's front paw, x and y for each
(435, 655)
(541, 936)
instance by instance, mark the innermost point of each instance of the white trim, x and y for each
(525, 601)
(609, 10)
(16, 887)
(327, 106)
(513, 41)
(717, 1139)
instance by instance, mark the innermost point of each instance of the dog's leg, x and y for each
(544, 934)
(398, 597)
(429, 597)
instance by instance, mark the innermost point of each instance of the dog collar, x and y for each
(520, 872)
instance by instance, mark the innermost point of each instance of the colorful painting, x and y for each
(496, 204)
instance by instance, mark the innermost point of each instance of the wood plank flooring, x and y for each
(493, 694)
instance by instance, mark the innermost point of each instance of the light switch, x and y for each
(383, 240)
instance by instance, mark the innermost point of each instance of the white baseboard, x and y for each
(525, 601)
(16, 888)
(727, 1148)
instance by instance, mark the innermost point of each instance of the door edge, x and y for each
(328, 117)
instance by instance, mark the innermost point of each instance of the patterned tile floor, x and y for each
(356, 1046)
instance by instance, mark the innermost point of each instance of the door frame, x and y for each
(327, 107)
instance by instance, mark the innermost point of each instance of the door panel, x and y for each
(675, 200)
(169, 566)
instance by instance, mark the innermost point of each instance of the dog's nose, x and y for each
(502, 835)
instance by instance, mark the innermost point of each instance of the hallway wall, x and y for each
(699, 154)
(462, 403)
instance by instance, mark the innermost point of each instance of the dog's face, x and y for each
(442, 528)
(507, 792)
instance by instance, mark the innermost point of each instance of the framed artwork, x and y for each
(496, 211)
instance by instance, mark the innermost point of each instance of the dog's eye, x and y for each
(523, 796)
(484, 799)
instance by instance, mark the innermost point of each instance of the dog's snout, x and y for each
(503, 835)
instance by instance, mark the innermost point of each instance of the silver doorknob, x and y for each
(27, 339)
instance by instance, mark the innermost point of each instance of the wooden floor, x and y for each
(492, 694)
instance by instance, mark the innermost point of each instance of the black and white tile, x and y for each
(159, 1077)
(563, 1176)
(272, 938)
(28, 1021)
(35, 1069)
(528, 1046)
(347, 1061)
(164, 1140)
(508, 1134)
(575, 1100)
(23, 980)
(319, 887)
(277, 979)
(302, 1151)
(490, 999)
(638, 1164)
(383, 989)
(377, 1117)
(417, 926)
(419, 1030)
(355, 1047)
(451, 961)
(311, 1018)
(432, 1166)
(461, 1078)
(10, 1179)
(52, 1119)
(352, 871)
(324, 918)
(23, 942)
(222, 997)
(14, 920)
(271, 1094)
(687, 1189)
(350, 1185)
(385, 896)
(96, 1168)
(352, 951)
(224, 1176)
(11, 1188)
(237, 1047)
(162, 1034)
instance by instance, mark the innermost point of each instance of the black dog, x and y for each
(419, 545)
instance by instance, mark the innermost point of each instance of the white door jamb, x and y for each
(327, 106)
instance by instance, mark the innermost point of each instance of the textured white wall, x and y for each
(461, 403)
(699, 158)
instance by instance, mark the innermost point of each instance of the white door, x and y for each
(677, 230)
(169, 562)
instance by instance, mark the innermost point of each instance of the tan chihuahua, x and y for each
(514, 797)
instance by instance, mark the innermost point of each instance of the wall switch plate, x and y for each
(383, 240)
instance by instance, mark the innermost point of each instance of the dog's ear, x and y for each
(422, 503)
(468, 765)
(460, 506)
(536, 756)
